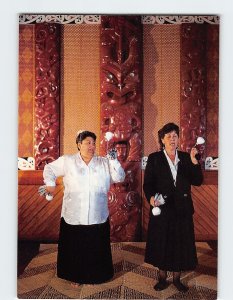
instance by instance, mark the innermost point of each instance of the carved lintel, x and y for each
(59, 19)
(160, 20)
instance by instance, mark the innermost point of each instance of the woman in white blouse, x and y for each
(170, 238)
(84, 252)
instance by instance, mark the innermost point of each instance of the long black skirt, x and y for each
(84, 253)
(171, 243)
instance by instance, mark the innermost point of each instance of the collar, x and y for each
(91, 163)
(170, 161)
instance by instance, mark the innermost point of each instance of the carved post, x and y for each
(193, 85)
(213, 90)
(121, 114)
(47, 98)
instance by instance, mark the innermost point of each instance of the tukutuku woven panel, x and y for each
(80, 85)
(161, 80)
(26, 91)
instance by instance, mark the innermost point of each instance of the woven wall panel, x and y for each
(161, 80)
(26, 91)
(79, 83)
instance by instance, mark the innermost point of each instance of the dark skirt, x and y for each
(171, 243)
(84, 253)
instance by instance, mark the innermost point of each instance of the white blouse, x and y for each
(85, 199)
(173, 166)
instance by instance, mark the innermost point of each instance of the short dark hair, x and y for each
(84, 134)
(169, 127)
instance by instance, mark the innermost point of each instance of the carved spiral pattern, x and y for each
(121, 114)
(47, 94)
(193, 85)
(121, 83)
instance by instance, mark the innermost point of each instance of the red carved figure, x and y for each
(125, 124)
(193, 86)
(47, 94)
(121, 115)
(125, 201)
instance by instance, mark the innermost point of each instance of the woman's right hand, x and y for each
(50, 189)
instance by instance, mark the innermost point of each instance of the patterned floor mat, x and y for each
(133, 279)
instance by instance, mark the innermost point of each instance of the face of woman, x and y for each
(87, 147)
(170, 141)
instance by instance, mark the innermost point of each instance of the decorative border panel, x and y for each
(96, 19)
(60, 19)
(179, 19)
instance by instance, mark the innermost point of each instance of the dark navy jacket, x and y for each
(158, 179)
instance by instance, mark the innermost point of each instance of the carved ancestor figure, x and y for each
(125, 200)
(125, 124)
(47, 94)
(121, 114)
(193, 86)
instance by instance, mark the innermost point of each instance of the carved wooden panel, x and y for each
(121, 114)
(47, 57)
(193, 85)
(213, 90)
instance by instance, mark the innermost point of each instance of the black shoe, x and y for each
(180, 286)
(161, 285)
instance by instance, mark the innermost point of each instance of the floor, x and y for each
(133, 278)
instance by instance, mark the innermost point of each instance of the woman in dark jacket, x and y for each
(170, 238)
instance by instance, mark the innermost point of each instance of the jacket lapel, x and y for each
(179, 171)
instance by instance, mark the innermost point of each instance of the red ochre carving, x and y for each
(121, 114)
(121, 84)
(193, 86)
(125, 200)
(124, 121)
(47, 93)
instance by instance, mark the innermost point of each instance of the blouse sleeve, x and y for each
(53, 170)
(117, 173)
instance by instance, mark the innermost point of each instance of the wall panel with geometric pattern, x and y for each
(80, 83)
(26, 91)
(161, 81)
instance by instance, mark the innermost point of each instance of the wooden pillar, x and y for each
(193, 85)
(121, 114)
(47, 93)
(213, 90)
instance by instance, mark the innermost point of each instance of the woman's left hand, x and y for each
(193, 152)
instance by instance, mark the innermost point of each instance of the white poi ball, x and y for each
(109, 135)
(156, 211)
(49, 197)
